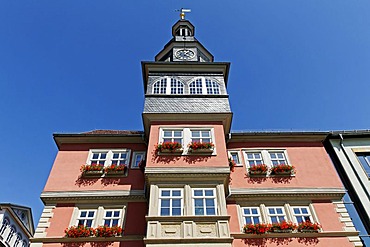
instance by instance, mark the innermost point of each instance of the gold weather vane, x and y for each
(182, 12)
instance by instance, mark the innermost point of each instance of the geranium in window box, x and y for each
(169, 148)
(308, 227)
(80, 231)
(258, 170)
(115, 169)
(201, 147)
(232, 164)
(282, 169)
(106, 231)
(92, 170)
(283, 227)
(256, 228)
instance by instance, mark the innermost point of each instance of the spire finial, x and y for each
(182, 13)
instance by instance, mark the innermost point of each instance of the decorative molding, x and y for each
(81, 196)
(347, 221)
(333, 234)
(44, 222)
(312, 193)
(88, 239)
(196, 218)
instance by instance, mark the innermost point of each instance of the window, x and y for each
(204, 86)
(301, 214)
(168, 85)
(276, 214)
(204, 201)
(277, 158)
(212, 87)
(364, 159)
(112, 217)
(98, 216)
(235, 157)
(254, 159)
(176, 87)
(137, 158)
(109, 157)
(201, 136)
(196, 87)
(172, 136)
(251, 215)
(86, 218)
(170, 201)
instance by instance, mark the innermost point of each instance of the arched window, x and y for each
(196, 87)
(160, 86)
(204, 86)
(11, 234)
(18, 240)
(168, 86)
(4, 225)
(212, 87)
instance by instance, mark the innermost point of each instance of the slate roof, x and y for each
(186, 105)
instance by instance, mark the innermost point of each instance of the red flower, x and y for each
(308, 225)
(256, 228)
(92, 167)
(106, 231)
(281, 168)
(232, 164)
(78, 231)
(171, 146)
(115, 167)
(200, 145)
(258, 168)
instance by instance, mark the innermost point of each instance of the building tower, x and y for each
(186, 180)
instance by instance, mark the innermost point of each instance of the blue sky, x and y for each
(74, 65)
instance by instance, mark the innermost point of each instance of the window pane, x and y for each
(176, 193)
(210, 202)
(210, 211)
(165, 211)
(209, 192)
(198, 202)
(198, 192)
(165, 193)
(165, 203)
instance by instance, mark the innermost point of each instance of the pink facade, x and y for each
(208, 189)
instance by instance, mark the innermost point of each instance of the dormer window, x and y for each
(204, 86)
(168, 86)
(183, 31)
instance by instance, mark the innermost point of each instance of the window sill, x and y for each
(200, 151)
(170, 152)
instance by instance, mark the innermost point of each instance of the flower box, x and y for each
(282, 170)
(78, 232)
(258, 170)
(115, 170)
(106, 231)
(169, 148)
(281, 231)
(93, 170)
(256, 228)
(309, 227)
(200, 148)
(283, 227)
(93, 173)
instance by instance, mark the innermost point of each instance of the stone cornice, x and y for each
(197, 218)
(288, 193)
(88, 239)
(333, 234)
(88, 196)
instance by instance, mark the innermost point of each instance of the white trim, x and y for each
(109, 156)
(133, 160)
(170, 197)
(229, 152)
(204, 197)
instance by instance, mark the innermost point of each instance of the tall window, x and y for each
(204, 201)
(276, 214)
(170, 201)
(277, 158)
(251, 215)
(137, 158)
(112, 217)
(235, 157)
(160, 86)
(172, 136)
(196, 87)
(201, 136)
(365, 161)
(86, 217)
(176, 87)
(212, 87)
(301, 214)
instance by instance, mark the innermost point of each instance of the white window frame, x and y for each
(294, 215)
(265, 152)
(259, 215)
(171, 197)
(204, 88)
(111, 218)
(204, 197)
(99, 214)
(237, 152)
(134, 159)
(109, 156)
(186, 135)
(168, 88)
(87, 217)
(162, 137)
(277, 215)
(201, 137)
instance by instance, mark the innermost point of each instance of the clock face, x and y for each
(184, 54)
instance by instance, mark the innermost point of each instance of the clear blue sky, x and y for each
(74, 66)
